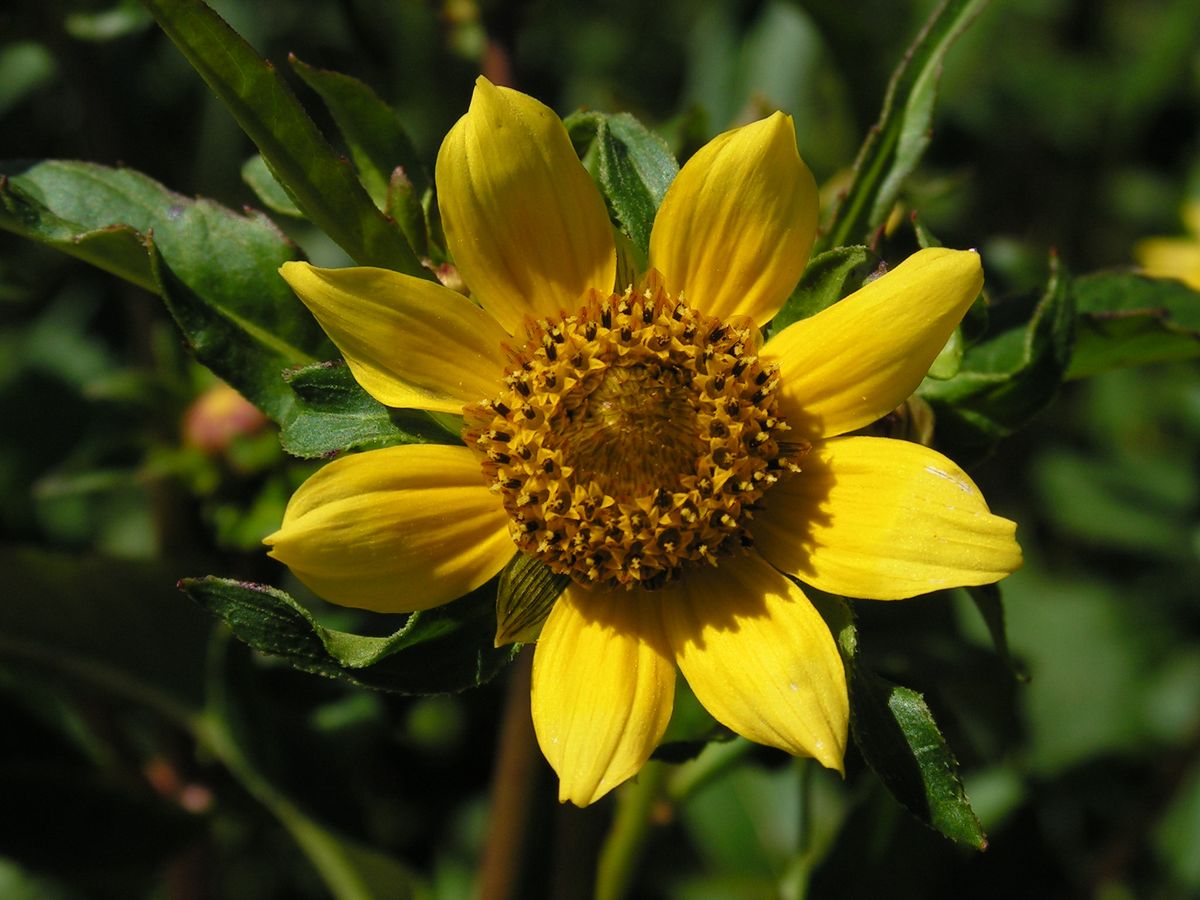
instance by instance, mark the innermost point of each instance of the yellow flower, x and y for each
(643, 440)
(1174, 257)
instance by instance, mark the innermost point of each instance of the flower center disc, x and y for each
(632, 438)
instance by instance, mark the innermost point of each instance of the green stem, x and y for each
(794, 883)
(712, 762)
(622, 848)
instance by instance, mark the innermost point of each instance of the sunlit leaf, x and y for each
(441, 650)
(217, 274)
(1005, 380)
(119, 249)
(632, 165)
(323, 185)
(333, 413)
(372, 130)
(899, 739)
(827, 278)
(896, 143)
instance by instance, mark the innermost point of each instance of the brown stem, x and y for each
(513, 789)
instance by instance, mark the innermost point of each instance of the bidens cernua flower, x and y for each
(642, 439)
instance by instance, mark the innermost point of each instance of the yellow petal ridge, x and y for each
(860, 358)
(525, 224)
(409, 342)
(882, 519)
(737, 225)
(394, 530)
(603, 689)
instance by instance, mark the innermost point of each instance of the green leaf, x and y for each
(322, 184)
(901, 742)
(896, 143)
(441, 650)
(524, 598)
(1005, 380)
(216, 269)
(405, 207)
(118, 249)
(269, 191)
(333, 413)
(372, 130)
(897, 736)
(1124, 319)
(633, 168)
(827, 278)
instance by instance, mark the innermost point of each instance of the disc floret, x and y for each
(632, 438)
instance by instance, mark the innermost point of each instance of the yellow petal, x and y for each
(1171, 258)
(603, 688)
(524, 223)
(860, 358)
(736, 226)
(394, 530)
(883, 519)
(760, 658)
(409, 342)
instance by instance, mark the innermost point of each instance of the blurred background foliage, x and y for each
(1067, 124)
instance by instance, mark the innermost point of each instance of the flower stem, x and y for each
(512, 790)
(627, 837)
(712, 762)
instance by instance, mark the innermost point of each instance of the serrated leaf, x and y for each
(270, 192)
(332, 413)
(218, 272)
(322, 184)
(1125, 319)
(632, 166)
(1004, 381)
(437, 651)
(827, 278)
(898, 737)
(374, 135)
(896, 143)
(524, 598)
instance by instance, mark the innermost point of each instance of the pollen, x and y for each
(633, 438)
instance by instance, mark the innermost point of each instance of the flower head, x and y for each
(643, 440)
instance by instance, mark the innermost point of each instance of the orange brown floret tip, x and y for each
(632, 438)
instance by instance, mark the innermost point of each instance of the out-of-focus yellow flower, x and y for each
(643, 440)
(1174, 257)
